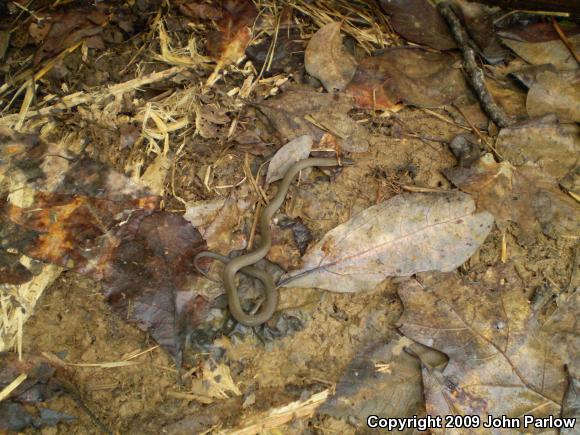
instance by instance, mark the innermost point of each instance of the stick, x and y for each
(474, 73)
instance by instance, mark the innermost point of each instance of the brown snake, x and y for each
(244, 262)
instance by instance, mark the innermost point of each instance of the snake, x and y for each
(244, 263)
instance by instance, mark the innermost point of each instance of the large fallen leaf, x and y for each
(524, 195)
(82, 215)
(327, 60)
(407, 234)
(557, 93)
(418, 21)
(502, 361)
(300, 110)
(553, 146)
(408, 75)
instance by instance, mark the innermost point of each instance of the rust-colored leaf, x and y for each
(82, 215)
(408, 75)
(234, 20)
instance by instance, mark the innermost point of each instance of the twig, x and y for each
(565, 39)
(474, 73)
(77, 98)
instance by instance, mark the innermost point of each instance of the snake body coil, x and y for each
(244, 262)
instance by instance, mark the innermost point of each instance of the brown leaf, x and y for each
(43, 380)
(60, 30)
(11, 271)
(523, 195)
(418, 21)
(300, 110)
(219, 220)
(288, 52)
(407, 75)
(84, 216)
(381, 380)
(399, 237)
(545, 142)
(539, 44)
(502, 361)
(327, 60)
(229, 42)
(557, 93)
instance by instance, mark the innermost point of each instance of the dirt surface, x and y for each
(308, 345)
(73, 321)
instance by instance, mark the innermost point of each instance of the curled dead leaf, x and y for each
(327, 60)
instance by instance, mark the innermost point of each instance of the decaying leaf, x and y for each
(381, 380)
(60, 30)
(502, 358)
(300, 110)
(557, 93)
(539, 44)
(295, 150)
(218, 220)
(407, 234)
(524, 195)
(479, 23)
(35, 380)
(327, 60)
(84, 216)
(553, 146)
(288, 52)
(234, 19)
(418, 21)
(216, 383)
(407, 75)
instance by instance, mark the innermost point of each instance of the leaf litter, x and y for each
(180, 136)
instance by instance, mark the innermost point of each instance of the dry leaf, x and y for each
(502, 359)
(295, 150)
(327, 60)
(552, 146)
(418, 21)
(219, 220)
(407, 234)
(381, 380)
(408, 75)
(216, 383)
(300, 110)
(523, 195)
(539, 44)
(557, 93)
